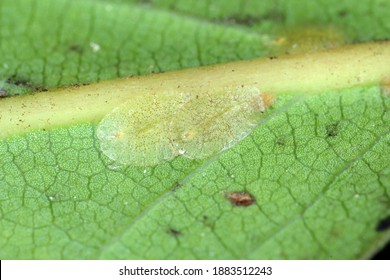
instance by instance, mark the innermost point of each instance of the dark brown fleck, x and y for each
(208, 222)
(280, 142)
(332, 129)
(174, 232)
(240, 198)
(76, 48)
(343, 13)
(176, 186)
(24, 83)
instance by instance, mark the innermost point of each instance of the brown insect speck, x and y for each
(240, 198)
(174, 232)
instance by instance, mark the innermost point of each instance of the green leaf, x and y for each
(312, 181)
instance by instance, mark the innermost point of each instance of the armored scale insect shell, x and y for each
(149, 129)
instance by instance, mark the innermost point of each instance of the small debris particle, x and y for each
(18, 82)
(75, 48)
(240, 198)
(332, 130)
(94, 46)
(176, 186)
(342, 13)
(208, 222)
(280, 141)
(24, 83)
(174, 232)
(383, 224)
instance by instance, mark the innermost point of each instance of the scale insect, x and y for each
(150, 129)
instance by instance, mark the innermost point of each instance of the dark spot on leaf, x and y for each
(15, 81)
(176, 186)
(332, 130)
(39, 88)
(273, 57)
(208, 222)
(383, 224)
(250, 20)
(240, 198)
(280, 141)
(174, 232)
(18, 82)
(79, 84)
(76, 48)
(342, 13)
